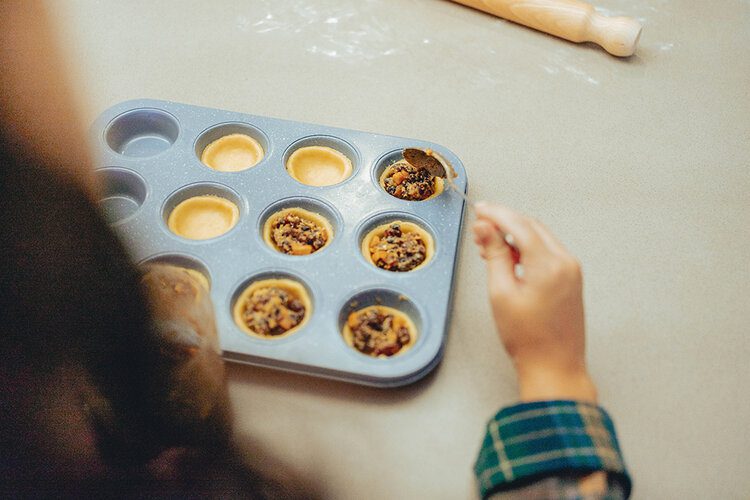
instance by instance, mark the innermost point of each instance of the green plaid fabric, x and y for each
(531, 441)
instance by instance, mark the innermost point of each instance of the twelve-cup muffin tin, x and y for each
(150, 162)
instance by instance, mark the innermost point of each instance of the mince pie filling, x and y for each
(395, 250)
(296, 235)
(379, 331)
(272, 311)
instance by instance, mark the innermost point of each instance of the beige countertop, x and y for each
(639, 165)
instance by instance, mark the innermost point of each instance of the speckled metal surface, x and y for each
(150, 162)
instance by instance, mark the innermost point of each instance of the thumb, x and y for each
(496, 252)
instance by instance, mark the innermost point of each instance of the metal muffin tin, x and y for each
(149, 161)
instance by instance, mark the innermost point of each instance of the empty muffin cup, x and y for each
(142, 132)
(203, 217)
(319, 166)
(296, 231)
(123, 193)
(272, 308)
(379, 331)
(232, 153)
(398, 246)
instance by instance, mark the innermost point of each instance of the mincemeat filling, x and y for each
(272, 311)
(295, 235)
(377, 333)
(408, 182)
(398, 251)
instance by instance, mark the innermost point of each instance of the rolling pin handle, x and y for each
(572, 20)
(617, 35)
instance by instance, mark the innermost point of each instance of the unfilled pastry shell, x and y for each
(319, 166)
(203, 217)
(232, 153)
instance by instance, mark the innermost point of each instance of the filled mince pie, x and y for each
(379, 331)
(295, 231)
(398, 246)
(272, 308)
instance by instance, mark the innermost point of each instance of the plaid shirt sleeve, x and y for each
(530, 442)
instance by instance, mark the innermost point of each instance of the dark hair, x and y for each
(74, 320)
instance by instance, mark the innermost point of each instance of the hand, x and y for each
(538, 314)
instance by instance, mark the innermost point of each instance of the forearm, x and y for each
(540, 383)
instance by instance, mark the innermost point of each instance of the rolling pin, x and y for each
(569, 19)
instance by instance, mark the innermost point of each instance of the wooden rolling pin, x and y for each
(569, 19)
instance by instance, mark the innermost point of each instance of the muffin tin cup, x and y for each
(183, 260)
(316, 206)
(326, 141)
(218, 131)
(141, 133)
(388, 297)
(334, 275)
(124, 191)
(274, 274)
(387, 217)
(202, 189)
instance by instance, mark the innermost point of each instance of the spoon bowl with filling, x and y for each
(403, 180)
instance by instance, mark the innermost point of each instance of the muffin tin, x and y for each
(150, 162)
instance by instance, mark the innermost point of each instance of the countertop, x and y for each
(639, 165)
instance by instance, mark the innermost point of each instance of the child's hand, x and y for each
(539, 315)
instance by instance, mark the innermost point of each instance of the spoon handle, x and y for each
(459, 192)
(507, 237)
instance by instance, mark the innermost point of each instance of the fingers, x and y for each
(489, 239)
(497, 254)
(549, 239)
(525, 236)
